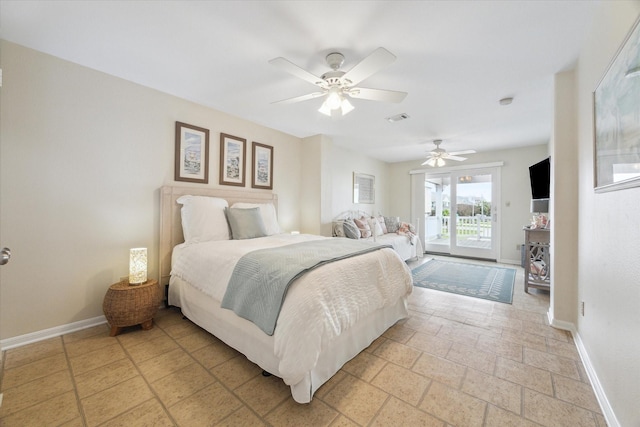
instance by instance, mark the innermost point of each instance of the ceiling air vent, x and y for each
(398, 117)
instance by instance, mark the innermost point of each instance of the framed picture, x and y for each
(192, 153)
(232, 160)
(616, 107)
(262, 170)
(364, 190)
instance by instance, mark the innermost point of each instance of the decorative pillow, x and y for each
(350, 229)
(245, 223)
(203, 219)
(338, 228)
(392, 223)
(268, 214)
(376, 229)
(363, 226)
(383, 226)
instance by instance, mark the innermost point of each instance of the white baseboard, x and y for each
(607, 410)
(21, 340)
(559, 324)
(605, 406)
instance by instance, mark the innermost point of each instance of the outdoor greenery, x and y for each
(481, 207)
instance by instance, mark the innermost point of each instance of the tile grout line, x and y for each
(83, 416)
(243, 403)
(151, 389)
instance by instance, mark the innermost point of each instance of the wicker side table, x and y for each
(128, 305)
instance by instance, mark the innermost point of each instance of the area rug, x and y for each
(472, 280)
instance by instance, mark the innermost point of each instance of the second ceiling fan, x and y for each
(438, 155)
(337, 86)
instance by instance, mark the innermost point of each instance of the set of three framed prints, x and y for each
(192, 158)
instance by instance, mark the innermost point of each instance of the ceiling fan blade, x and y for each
(457, 158)
(300, 98)
(377, 60)
(291, 68)
(455, 153)
(377, 94)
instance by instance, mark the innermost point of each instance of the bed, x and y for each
(315, 335)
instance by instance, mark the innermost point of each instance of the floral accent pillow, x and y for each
(363, 226)
(338, 229)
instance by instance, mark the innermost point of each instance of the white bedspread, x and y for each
(319, 306)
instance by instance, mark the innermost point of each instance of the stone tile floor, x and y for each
(456, 361)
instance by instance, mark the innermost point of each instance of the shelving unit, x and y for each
(537, 262)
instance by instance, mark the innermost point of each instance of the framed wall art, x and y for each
(364, 189)
(192, 153)
(616, 108)
(262, 170)
(232, 160)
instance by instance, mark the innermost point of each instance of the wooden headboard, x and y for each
(171, 224)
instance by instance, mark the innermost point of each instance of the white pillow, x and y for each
(376, 228)
(203, 219)
(268, 214)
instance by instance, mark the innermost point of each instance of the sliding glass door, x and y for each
(437, 228)
(461, 213)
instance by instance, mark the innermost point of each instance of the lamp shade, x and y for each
(540, 205)
(334, 99)
(346, 107)
(137, 266)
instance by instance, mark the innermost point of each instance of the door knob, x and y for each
(5, 254)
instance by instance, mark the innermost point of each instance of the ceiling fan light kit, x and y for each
(336, 86)
(342, 107)
(435, 162)
(438, 155)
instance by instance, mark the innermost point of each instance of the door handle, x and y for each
(5, 255)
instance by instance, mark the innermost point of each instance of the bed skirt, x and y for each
(258, 347)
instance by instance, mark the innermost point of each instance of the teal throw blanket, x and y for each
(261, 278)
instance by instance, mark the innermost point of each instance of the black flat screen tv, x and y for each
(540, 176)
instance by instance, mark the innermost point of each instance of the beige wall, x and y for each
(82, 157)
(515, 192)
(608, 237)
(342, 164)
(327, 189)
(564, 199)
(310, 203)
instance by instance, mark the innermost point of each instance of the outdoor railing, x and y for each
(479, 225)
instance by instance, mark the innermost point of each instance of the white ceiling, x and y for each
(455, 59)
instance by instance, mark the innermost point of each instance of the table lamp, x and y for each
(540, 207)
(137, 266)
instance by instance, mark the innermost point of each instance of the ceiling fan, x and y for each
(438, 155)
(338, 86)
